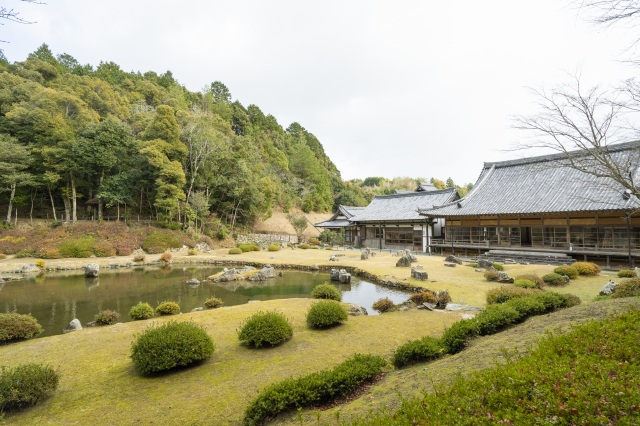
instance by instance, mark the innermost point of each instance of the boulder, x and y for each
(333, 258)
(74, 325)
(404, 261)
(267, 272)
(444, 298)
(364, 254)
(334, 274)
(453, 259)
(428, 306)
(609, 288)
(30, 269)
(344, 277)
(92, 270)
(450, 265)
(419, 275)
(356, 310)
(484, 263)
(314, 267)
(193, 281)
(504, 278)
(198, 309)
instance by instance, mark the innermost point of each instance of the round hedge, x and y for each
(170, 345)
(265, 329)
(26, 385)
(383, 305)
(424, 297)
(18, 327)
(325, 314)
(532, 277)
(525, 283)
(141, 311)
(569, 271)
(213, 303)
(587, 268)
(554, 279)
(168, 308)
(107, 317)
(326, 291)
(627, 288)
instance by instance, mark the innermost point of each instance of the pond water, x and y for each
(56, 299)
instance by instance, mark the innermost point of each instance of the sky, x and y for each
(390, 88)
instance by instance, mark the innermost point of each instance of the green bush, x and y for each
(522, 283)
(168, 308)
(569, 271)
(103, 249)
(274, 247)
(505, 293)
(587, 268)
(495, 318)
(314, 241)
(325, 314)
(235, 250)
(141, 311)
(107, 317)
(213, 303)
(627, 273)
(425, 349)
(265, 329)
(26, 385)
(78, 247)
(454, 338)
(248, 247)
(160, 241)
(491, 275)
(531, 277)
(527, 306)
(326, 291)
(192, 252)
(424, 297)
(304, 246)
(383, 305)
(554, 301)
(627, 288)
(498, 266)
(18, 327)
(554, 279)
(170, 345)
(315, 389)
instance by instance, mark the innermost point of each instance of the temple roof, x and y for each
(403, 207)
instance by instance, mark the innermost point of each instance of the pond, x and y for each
(56, 299)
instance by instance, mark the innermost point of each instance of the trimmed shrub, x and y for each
(40, 264)
(325, 314)
(26, 253)
(171, 345)
(77, 247)
(314, 241)
(248, 247)
(274, 247)
(103, 249)
(192, 252)
(532, 277)
(213, 303)
(627, 273)
(424, 297)
(107, 317)
(326, 291)
(554, 279)
(26, 385)
(304, 246)
(168, 308)
(383, 305)
(587, 268)
(569, 271)
(139, 258)
(454, 338)
(265, 329)
(495, 318)
(523, 283)
(15, 327)
(425, 349)
(627, 288)
(571, 300)
(491, 275)
(554, 301)
(314, 389)
(527, 306)
(160, 241)
(506, 293)
(235, 250)
(166, 257)
(498, 266)
(141, 311)
(48, 253)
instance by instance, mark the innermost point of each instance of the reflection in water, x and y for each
(59, 298)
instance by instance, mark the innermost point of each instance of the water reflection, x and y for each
(57, 299)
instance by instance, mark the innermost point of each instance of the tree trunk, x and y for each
(53, 205)
(100, 199)
(118, 210)
(74, 203)
(13, 194)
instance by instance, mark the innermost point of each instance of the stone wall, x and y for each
(265, 240)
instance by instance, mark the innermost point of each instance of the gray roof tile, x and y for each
(403, 207)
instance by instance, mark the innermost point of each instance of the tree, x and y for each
(299, 223)
(14, 162)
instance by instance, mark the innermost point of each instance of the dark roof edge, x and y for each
(414, 194)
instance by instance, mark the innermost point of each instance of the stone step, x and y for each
(527, 257)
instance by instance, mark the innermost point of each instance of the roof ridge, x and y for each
(415, 193)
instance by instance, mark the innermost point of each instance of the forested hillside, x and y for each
(81, 142)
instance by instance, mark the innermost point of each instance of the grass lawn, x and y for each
(99, 385)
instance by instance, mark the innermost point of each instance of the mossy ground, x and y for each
(98, 381)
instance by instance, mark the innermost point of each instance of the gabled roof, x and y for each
(403, 207)
(424, 186)
(544, 184)
(340, 219)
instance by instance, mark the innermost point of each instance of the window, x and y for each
(400, 236)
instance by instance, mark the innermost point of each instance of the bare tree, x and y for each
(10, 14)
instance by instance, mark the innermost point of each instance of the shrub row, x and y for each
(491, 320)
(26, 385)
(314, 389)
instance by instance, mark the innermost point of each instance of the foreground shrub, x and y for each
(248, 247)
(265, 329)
(587, 268)
(274, 247)
(554, 279)
(627, 288)
(141, 311)
(235, 250)
(170, 345)
(168, 308)
(491, 275)
(532, 277)
(326, 291)
(454, 338)
(426, 349)
(213, 303)
(627, 273)
(569, 271)
(18, 327)
(325, 314)
(505, 293)
(26, 385)
(383, 305)
(315, 389)
(424, 297)
(107, 317)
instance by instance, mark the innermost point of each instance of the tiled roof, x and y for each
(340, 223)
(403, 207)
(544, 184)
(350, 211)
(343, 211)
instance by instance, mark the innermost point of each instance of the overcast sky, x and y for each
(390, 88)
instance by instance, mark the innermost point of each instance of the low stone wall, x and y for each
(265, 240)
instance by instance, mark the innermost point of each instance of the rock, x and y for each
(504, 278)
(30, 269)
(419, 275)
(486, 264)
(428, 306)
(91, 324)
(74, 325)
(458, 307)
(334, 274)
(314, 267)
(333, 258)
(450, 265)
(480, 270)
(197, 309)
(193, 281)
(267, 272)
(356, 310)
(364, 255)
(404, 261)
(92, 270)
(453, 259)
(444, 298)
(203, 247)
(608, 288)
(344, 277)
